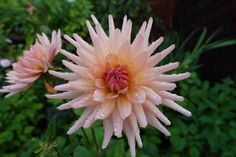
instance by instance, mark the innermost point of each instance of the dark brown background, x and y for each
(188, 15)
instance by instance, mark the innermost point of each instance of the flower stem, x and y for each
(86, 136)
(95, 141)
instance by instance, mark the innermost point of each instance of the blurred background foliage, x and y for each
(31, 126)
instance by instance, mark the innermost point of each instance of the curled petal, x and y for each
(131, 138)
(139, 113)
(117, 123)
(134, 126)
(91, 119)
(108, 132)
(137, 96)
(173, 77)
(168, 67)
(162, 85)
(105, 110)
(79, 123)
(99, 95)
(65, 76)
(155, 59)
(152, 95)
(152, 108)
(124, 106)
(171, 104)
(156, 123)
(171, 96)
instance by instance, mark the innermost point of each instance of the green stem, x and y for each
(86, 136)
(95, 141)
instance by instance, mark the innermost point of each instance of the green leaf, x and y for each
(83, 152)
(220, 43)
(51, 131)
(178, 142)
(6, 136)
(194, 152)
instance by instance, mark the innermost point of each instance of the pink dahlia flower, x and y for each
(32, 64)
(116, 81)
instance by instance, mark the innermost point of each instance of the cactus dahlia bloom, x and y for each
(32, 64)
(116, 81)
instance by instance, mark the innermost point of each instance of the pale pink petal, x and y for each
(67, 105)
(137, 96)
(168, 67)
(91, 119)
(131, 138)
(72, 41)
(173, 77)
(134, 126)
(101, 32)
(92, 33)
(112, 95)
(65, 75)
(71, 56)
(167, 95)
(83, 85)
(141, 32)
(152, 108)
(156, 123)
(85, 100)
(79, 123)
(85, 56)
(116, 40)
(155, 59)
(136, 46)
(171, 104)
(108, 132)
(124, 106)
(83, 43)
(99, 95)
(152, 95)
(63, 87)
(65, 95)
(126, 34)
(139, 113)
(111, 26)
(79, 70)
(105, 110)
(148, 76)
(154, 45)
(147, 32)
(100, 83)
(117, 123)
(162, 85)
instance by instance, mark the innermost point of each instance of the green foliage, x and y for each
(189, 56)
(19, 120)
(31, 126)
(19, 25)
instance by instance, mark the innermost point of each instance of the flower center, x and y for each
(116, 77)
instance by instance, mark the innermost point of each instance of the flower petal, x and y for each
(134, 126)
(156, 123)
(139, 113)
(79, 123)
(131, 138)
(152, 108)
(152, 95)
(171, 104)
(173, 77)
(117, 123)
(108, 132)
(105, 110)
(124, 106)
